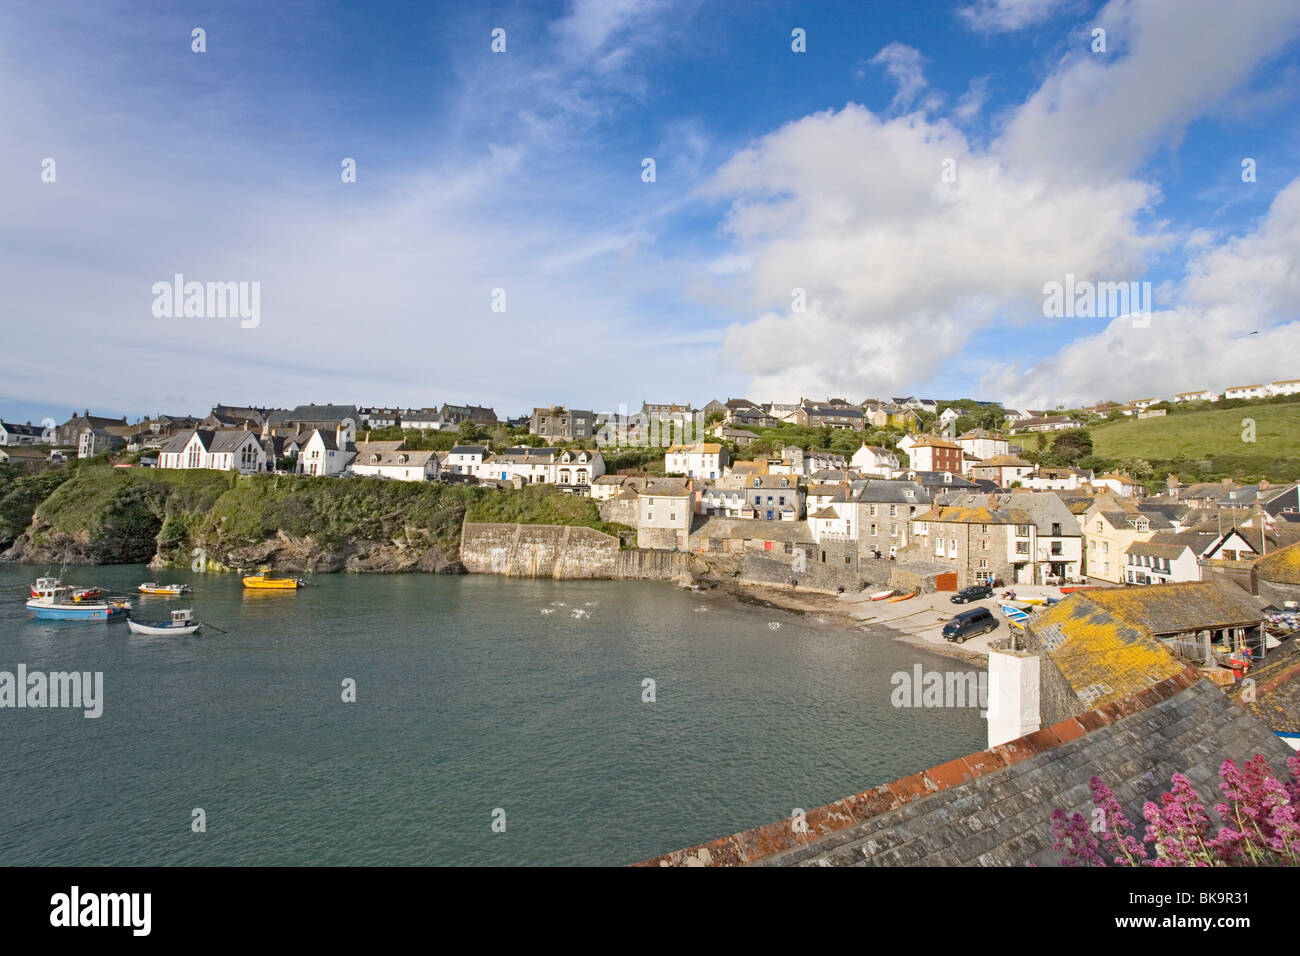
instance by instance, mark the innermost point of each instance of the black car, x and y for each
(976, 592)
(976, 621)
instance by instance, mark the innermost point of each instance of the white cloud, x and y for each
(1006, 16)
(1231, 322)
(902, 268)
(902, 64)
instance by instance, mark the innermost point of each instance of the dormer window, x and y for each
(758, 482)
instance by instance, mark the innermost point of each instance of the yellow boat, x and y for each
(262, 581)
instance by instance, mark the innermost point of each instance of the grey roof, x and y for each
(935, 479)
(469, 449)
(1155, 520)
(894, 491)
(317, 413)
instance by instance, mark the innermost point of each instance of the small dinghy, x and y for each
(881, 595)
(149, 587)
(901, 597)
(1014, 614)
(182, 622)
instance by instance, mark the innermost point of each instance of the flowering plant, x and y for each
(1259, 817)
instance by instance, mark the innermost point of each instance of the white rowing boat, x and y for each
(181, 623)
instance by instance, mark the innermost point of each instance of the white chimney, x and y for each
(1013, 702)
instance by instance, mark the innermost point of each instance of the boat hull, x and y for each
(270, 584)
(161, 629)
(73, 612)
(900, 597)
(881, 595)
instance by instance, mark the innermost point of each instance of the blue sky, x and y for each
(522, 171)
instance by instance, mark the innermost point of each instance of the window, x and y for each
(871, 510)
(984, 544)
(672, 517)
(984, 563)
(893, 511)
(1022, 547)
(873, 530)
(1022, 531)
(984, 529)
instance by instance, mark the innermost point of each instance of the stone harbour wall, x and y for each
(561, 551)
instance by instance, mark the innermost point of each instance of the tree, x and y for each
(1069, 446)
(471, 432)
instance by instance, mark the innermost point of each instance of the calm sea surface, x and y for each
(469, 698)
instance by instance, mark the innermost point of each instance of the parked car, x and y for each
(976, 592)
(972, 623)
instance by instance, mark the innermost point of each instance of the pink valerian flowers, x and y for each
(1074, 836)
(1260, 823)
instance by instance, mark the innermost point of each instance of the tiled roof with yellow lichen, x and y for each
(1102, 656)
(1174, 608)
(1280, 567)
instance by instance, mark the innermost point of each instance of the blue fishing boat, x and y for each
(69, 604)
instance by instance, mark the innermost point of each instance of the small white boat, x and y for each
(881, 595)
(181, 623)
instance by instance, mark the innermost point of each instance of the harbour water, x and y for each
(474, 694)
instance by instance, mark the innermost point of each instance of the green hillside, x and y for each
(1209, 444)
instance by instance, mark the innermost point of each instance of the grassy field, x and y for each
(1209, 444)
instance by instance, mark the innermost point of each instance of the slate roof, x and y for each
(1280, 567)
(1161, 609)
(661, 488)
(1170, 544)
(993, 807)
(1277, 689)
(469, 449)
(891, 491)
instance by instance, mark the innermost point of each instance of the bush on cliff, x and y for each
(21, 492)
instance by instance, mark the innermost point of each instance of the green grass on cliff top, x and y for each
(1214, 434)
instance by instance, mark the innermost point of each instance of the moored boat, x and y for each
(150, 587)
(901, 597)
(1080, 587)
(262, 581)
(181, 623)
(881, 595)
(46, 587)
(61, 605)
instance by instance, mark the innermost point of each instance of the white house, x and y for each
(322, 454)
(424, 419)
(1167, 557)
(983, 444)
(1246, 391)
(28, 434)
(1141, 403)
(1119, 484)
(1003, 469)
(1204, 395)
(1056, 479)
(1287, 387)
(468, 460)
(665, 510)
(393, 460)
(836, 520)
(578, 468)
(874, 460)
(239, 451)
(699, 460)
(949, 415)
